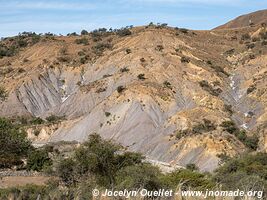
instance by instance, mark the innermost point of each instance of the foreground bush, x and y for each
(249, 172)
(14, 144)
(104, 165)
(103, 159)
(38, 160)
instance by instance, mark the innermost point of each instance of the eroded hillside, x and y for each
(171, 94)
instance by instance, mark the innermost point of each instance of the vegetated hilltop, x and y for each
(255, 18)
(176, 95)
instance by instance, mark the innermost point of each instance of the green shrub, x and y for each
(84, 32)
(229, 126)
(184, 30)
(21, 70)
(107, 114)
(250, 142)
(14, 144)
(167, 84)
(206, 126)
(181, 133)
(235, 173)
(99, 48)
(185, 59)
(159, 48)
(191, 167)
(65, 59)
(66, 170)
(128, 51)
(209, 62)
(139, 176)
(22, 43)
(230, 52)
(124, 69)
(37, 120)
(229, 109)
(103, 159)
(142, 60)
(141, 76)
(120, 89)
(123, 32)
(54, 118)
(250, 46)
(245, 37)
(251, 89)
(38, 160)
(188, 179)
(219, 70)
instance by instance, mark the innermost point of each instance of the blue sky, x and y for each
(64, 16)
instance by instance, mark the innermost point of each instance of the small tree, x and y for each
(14, 144)
(102, 159)
(120, 89)
(185, 59)
(84, 32)
(38, 160)
(191, 167)
(141, 76)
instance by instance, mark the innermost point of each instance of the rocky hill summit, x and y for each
(179, 96)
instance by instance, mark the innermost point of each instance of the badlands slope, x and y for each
(188, 78)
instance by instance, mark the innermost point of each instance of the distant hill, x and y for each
(255, 18)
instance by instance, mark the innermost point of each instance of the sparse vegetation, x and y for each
(207, 87)
(199, 128)
(206, 126)
(124, 69)
(250, 141)
(167, 84)
(21, 70)
(82, 40)
(37, 120)
(99, 48)
(12, 45)
(245, 37)
(184, 30)
(3, 93)
(159, 48)
(229, 52)
(219, 70)
(124, 32)
(252, 56)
